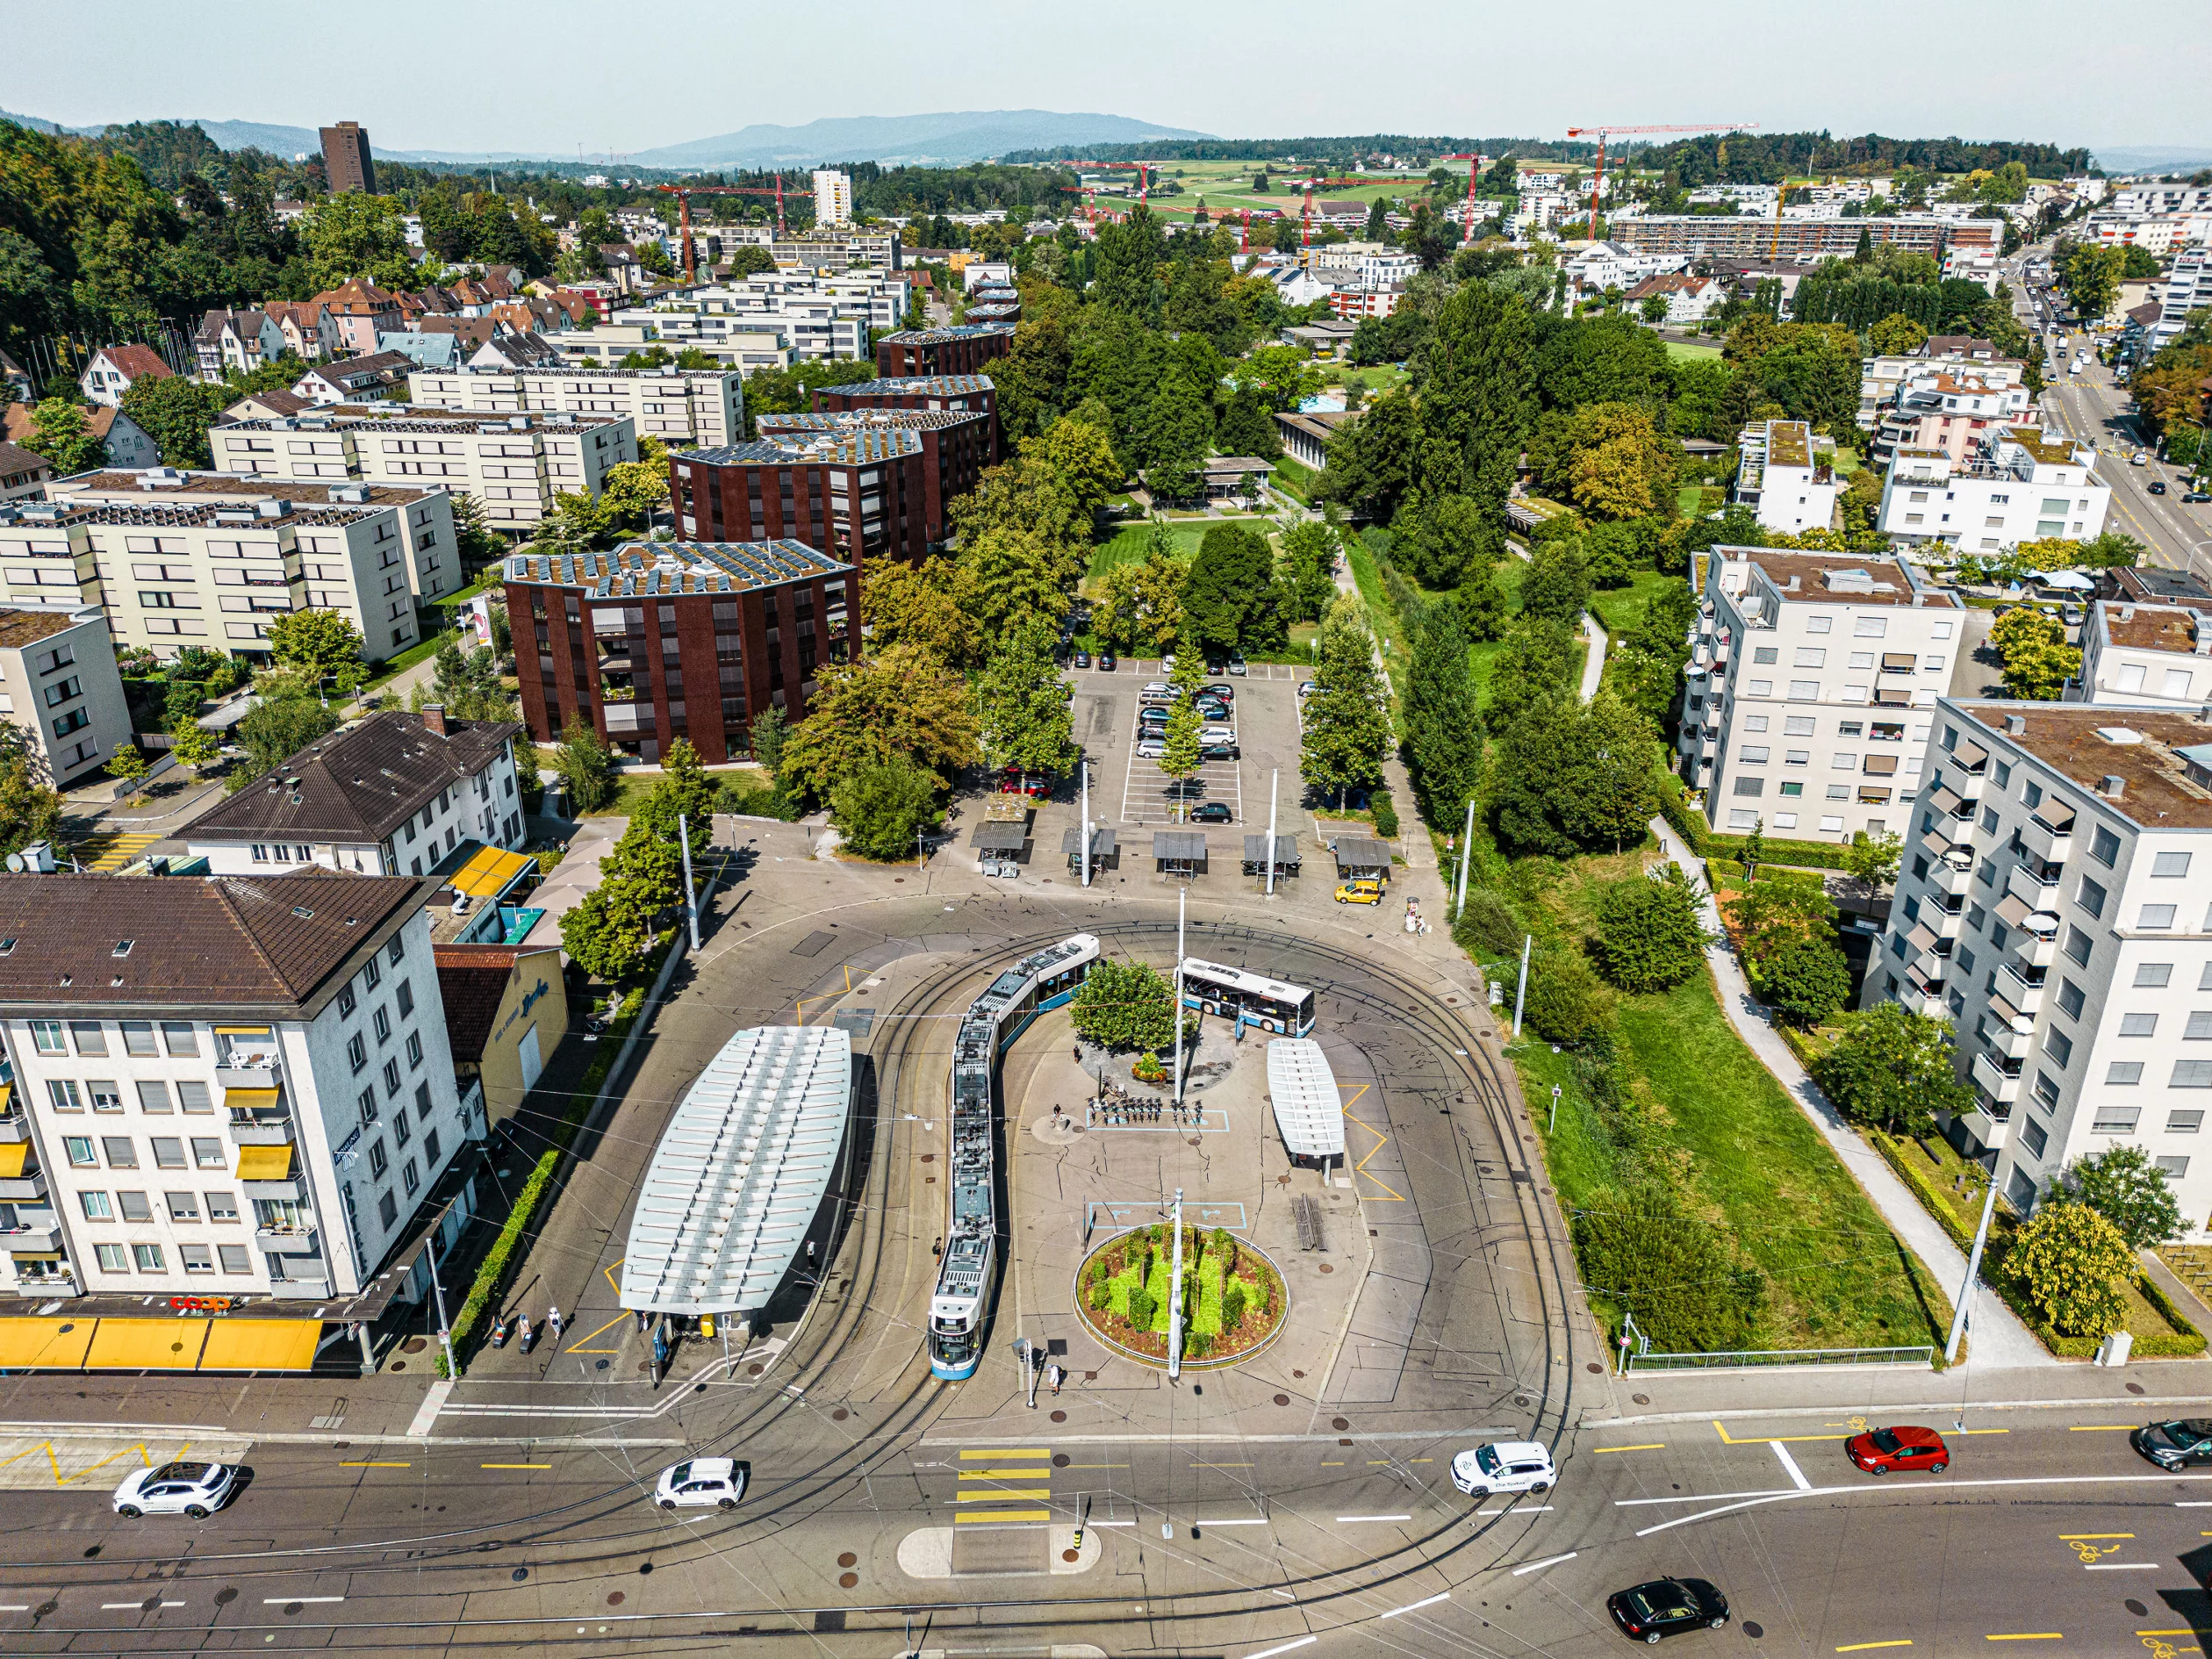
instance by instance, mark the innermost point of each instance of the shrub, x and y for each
(2074, 1263)
(1807, 980)
(1486, 927)
(1196, 1344)
(1649, 935)
(1566, 1003)
(1670, 1269)
(1102, 1296)
(1386, 819)
(1233, 1306)
(882, 809)
(2129, 1190)
(1142, 1306)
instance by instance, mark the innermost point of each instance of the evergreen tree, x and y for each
(1478, 402)
(1347, 722)
(1228, 593)
(1175, 435)
(1443, 727)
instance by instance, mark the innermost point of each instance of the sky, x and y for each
(555, 73)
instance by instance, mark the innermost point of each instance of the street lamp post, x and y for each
(1974, 1256)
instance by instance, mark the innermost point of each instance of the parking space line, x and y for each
(1549, 1561)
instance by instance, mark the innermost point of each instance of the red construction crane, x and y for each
(1091, 200)
(1143, 170)
(682, 193)
(1474, 172)
(1598, 177)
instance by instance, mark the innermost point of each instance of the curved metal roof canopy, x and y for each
(740, 1172)
(1308, 1109)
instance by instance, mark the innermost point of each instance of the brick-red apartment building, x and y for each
(854, 494)
(963, 350)
(955, 450)
(651, 641)
(918, 392)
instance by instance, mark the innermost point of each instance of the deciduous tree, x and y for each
(1443, 726)
(882, 809)
(1124, 1005)
(2124, 1186)
(1893, 1070)
(1023, 706)
(584, 765)
(1807, 980)
(1347, 722)
(1649, 936)
(902, 701)
(30, 806)
(2077, 1266)
(320, 644)
(60, 432)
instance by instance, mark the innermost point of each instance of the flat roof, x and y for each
(1308, 1108)
(1364, 852)
(642, 570)
(18, 628)
(939, 336)
(2088, 743)
(2150, 627)
(846, 446)
(158, 482)
(740, 1172)
(1178, 844)
(907, 385)
(1844, 578)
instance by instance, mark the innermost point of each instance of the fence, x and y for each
(1754, 1358)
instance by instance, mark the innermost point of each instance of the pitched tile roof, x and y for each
(472, 982)
(268, 942)
(356, 786)
(15, 458)
(138, 362)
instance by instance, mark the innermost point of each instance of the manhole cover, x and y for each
(1325, 1268)
(1282, 1181)
(1060, 1459)
(2135, 1607)
(415, 1344)
(1340, 1424)
(929, 1157)
(519, 1574)
(645, 1567)
(2135, 1387)
(848, 1560)
(752, 1371)
(1090, 1376)
(291, 1608)
(839, 1414)
(399, 1365)
(1344, 1442)
(1298, 1373)
(1059, 1416)
(150, 1604)
(615, 1597)
(1520, 1400)
(1193, 1141)
(1282, 1399)
(846, 1581)
(1529, 1138)
(1640, 1399)
(1594, 1368)
(226, 1595)
(1754, 1631)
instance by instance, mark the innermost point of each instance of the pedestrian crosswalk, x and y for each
(111, 852)
(990, 1480)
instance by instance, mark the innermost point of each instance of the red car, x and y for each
(1881, 1450)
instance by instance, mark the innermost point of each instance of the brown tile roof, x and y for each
(233, 941)
(356, 299)
(472, 982)
(14, 458)
(270, 404)
(15, 421)
(138, 362)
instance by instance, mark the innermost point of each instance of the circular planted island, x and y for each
(1234, 1299)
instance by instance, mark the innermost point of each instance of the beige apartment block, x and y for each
(685, 408)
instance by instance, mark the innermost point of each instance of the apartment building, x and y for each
(1879, 377)
(617, 633)
(228, 1086)
(23, 472)
(856, 494)
(2159, 234)
(1782, 475)
(1952, 408)
(2015, 486)
(1758, 237)
(1690, 298)
(169, 574)
(1809, 690)
(513, 466)
(391, 795)
(747, 349)
(235, 343)
(833, 197)
(357, 312)
(955, 447)
(2052, 906)
(427, 534)
(309, 331)
(59, 686)
(347, 163)
(2144, 656)
(918, 392)
(942, 351)
(685, 408)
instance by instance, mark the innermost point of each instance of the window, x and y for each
(1797, 725)
(2124, 1074)
(1765, 654)
(387, 1208)
(345, 1002)
(2070, 999)
(1844, 760)
(221, 1206)
(1809, 657)
(183, 1206)
(2185, 1121)
(1989, 819)
(2104, 847)
(119, 1152)
(89, 1038)
(197, 1258)
(233, 1257)
(414, 1039)
(2154, 975)
(430, 1148)
(2060, 1046)
(2046, 1091)
(1759, 688)
(378, 1160)
(2191, 1075)
(1820, 624)
(168, 1153)
(371, 975)
(381, 1023)
(1742, 818)
(138, 1038)
(422, 1102)
(96, 1206)
(148, 1257)
(192, 1095)
(2138, 1024)
(105, 1096)
(78, 1149)
(2171, 1167)
(207, 1152)
(398, 952)
(1806, 691)
(2114, 1120)
(2170, 864)
(154, 1096)
(400, 1132)
(113, 1258)
(391, 1076)
(1750, 786)
(1870, 626)
(2155, 915)
(2090, 896)
(47, 1035)
(357, 1051)
(2199, 1027)
(1754, 755)
(2031, 1133)
(134, 1206)
(410, 1177)
(64, 1095)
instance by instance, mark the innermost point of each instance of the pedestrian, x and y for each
(1078, 1052)
(1056, 1374)
(553, 1319)
(937, 1249)
(641, 1321)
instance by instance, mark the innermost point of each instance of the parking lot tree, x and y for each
(1125, 1006)
(1807, 980)
(902, 701)
(1023, 706)
(2032, 644)
(1649, 936)
(1893, 1070)
(1180, 758)
(1229, 594)
(2077, 1266)
(1305, 574)
(321, 645)
(882, 809)
(1347, 719)
(2125, 1186)
(1443, 726)
(584, 765)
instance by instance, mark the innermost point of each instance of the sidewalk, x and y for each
(1594, 661)
(1997, 1340)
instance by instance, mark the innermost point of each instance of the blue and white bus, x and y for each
(1235, 993)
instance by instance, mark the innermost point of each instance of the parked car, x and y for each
(1222, 690)
(1212, 812)
(2175, 1444)
(2195, 496)
(1157, 691)
(1212, 709)
(1218, 752)
(1106, 662)
(197, 1490)
(1365, 890)
(1150, 749)
(1237, 666)
(1167, 664)
(1082, 659)
(1881, 1450)
(701, 1483)
(1216, 734)
(1504, 1466)
(1667, 1607)
(1306, 688)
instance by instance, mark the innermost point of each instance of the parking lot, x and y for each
(1106, 708)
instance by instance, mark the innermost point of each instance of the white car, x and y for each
(1503, 1469)
(1151, 749)
(1167, 664)
(1216, 734)
(2140, 458)
(197, 1490)
(701, 1483)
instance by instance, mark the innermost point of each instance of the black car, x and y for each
(2158, 486)
(1082, 659)
(2176, 1444)
(1667, 1607)
(1106, 663)
(1220, 751)
(2195, 496)
(1212, 812)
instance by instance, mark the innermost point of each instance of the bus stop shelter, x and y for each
(1361, 855)
(1286, 856)
(1001, 849)
(1181, 852)
(1104, 855)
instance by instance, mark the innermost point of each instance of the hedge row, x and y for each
(1923, 1188)
(1817, 855)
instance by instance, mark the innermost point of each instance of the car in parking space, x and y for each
(1212, 812)
(2175, 1444)
(1364, 890)
(1082, 659)
(1150, 749)
(1167, 664)
(1220, 751)
(1212, 709)
(2195, 496)
(1237, 666)
(1155, 715)
(701, 1483)
(197, 1490)
(1216, 734)
(1157, 691)
(1225, 693)
(1667, 1607)
(1878, 1451)
(2157, 486)
(1107, 662)
(1306, 688)
(1502, 1468)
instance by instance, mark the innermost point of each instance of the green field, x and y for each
(1127, 545)
(1682, 352)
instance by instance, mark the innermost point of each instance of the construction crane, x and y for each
(1089, 193)
(1143, 170)
(682, 193)
(1474, 172)
(1603, 133)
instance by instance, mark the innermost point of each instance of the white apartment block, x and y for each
(685, 408)
(1809, 690)
(1952, 407)
(1976, 265)
(2145, 656)
(513, 466)
(1784, 478)
(2188, 287)
(746, 351)
(833, 197)
(2054, 905)
(2016, 485)
(59, 686)
(2159, 234)
(226, 1086)
(1879, 377)
(2161, 198)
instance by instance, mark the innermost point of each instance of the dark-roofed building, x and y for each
(238, 1086)
(961, 350)
(955, 450)
(235, 343)
(856, 494)
(917, 391)
(392, 795)
(651, 641)
(23, 472)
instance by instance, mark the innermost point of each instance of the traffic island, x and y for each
(1235, 1302)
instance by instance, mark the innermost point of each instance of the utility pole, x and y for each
(691, 893)
(445, 1335)
(1175, 1296)
(1085, 764)
(1274, 781)
(1974, 1256)
(1520, 996)
(1179, 899)
(1466, 846)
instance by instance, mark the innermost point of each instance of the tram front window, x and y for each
(954, 1348)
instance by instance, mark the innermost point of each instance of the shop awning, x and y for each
(491, 872)
(7, 1097)
(13, 1157)
(146, 1344)
(264, 1163)
(45, 1344)
(261, 1344)
(248, 1099)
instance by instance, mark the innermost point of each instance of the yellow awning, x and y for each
(264, 1163)
(146, 1344)
(490, 873)
(12, 1155)
(7, 1095)
(249, 1098)
(45, 1344)
(261, 1344)
(241, 1031)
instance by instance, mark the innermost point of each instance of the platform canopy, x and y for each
(740, 1173)
(1307, 1108)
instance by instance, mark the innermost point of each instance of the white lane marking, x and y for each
(280, 1601)
(1699, 1497)
(2122, 1567)
(1549, 1561)
(1126, 1523)
(1789, 1468)
(1533, 1509)
(1346, 1520)
(1830, 1491)
(15, 1606)
(1270, 1653)
(1415, 1606)
(1248, 1520)
(2193, 1506)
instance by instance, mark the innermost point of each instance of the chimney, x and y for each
(434, 718)
(2015, 724)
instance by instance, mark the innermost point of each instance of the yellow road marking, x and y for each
(609, 1271)
(2030, 1636)
(1337, 1464)
(999, 1457)
(1381, 1141)
(799, 1011)
(999, 1495)
(1861, 1647)
(510, 1466)
(1005, 1474)
(375, 1466)
(1003, 1515)
(578, 1346)
(1655, 1446)
(60, 1479)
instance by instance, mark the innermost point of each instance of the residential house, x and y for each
(267, 406)
(1953, 408)
(230, 343)
(358, 311)
(59, 686)
(114, 369)
(683, 408)
(2014, 485)
(1787, 475)
(125, 443)
(1690, 298)
(854, 492)
(516, 351)
(15, 381)
(23, 472)
(310, 333)
(376, 378)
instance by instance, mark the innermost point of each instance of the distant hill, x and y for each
(2154, 158)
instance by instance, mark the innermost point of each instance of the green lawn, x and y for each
(1681, 352)
(1127, 546)
(1296, 479)
(628, 792)
(1619, 609)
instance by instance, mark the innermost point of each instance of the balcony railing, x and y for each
(2036, 889)
(262, 1129)
(2021, 986)
(2048, 841)
(1993, 1082)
